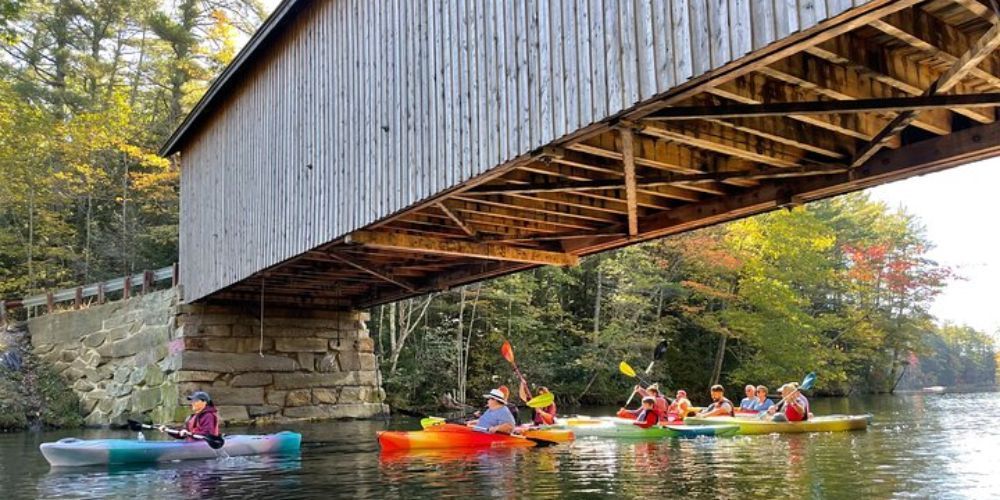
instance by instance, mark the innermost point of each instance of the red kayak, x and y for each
(448, 436)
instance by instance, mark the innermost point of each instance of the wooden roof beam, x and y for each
(983, 47)
(919, 158)
(665, 179)
(628, 160)
(826, 107)
(436, 246)
(755, 88)
(892, 67)
(712, 137)
(458, 222)
(382, 275)
(845, 84)
(937, 39)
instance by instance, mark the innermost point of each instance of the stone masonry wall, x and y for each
(309, 365)
(112, 355)
(143, 355)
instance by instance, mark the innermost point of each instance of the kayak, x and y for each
(691, 431)
(548, 433)
(448, 436)
(752, 425)
(543, 432)
(72, 452)
(620, 429)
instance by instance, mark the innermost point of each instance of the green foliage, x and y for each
(36, 396)
(88, 92)
(840, 287)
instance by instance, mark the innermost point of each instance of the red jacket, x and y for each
(205, 422)
(643, 418)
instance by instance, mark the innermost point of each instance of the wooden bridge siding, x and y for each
(462, 86)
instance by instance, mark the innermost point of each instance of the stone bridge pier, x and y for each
(141, 356)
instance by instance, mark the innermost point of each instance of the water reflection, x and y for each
(184, 479)
(918, 446)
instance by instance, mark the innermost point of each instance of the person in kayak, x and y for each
(646, 416)
(654, 392)
(679, 408)
(762, 403)
(203, 421)
(747, 403)
(498, 417)
(547, 415)
(720, 407)
(794, 407)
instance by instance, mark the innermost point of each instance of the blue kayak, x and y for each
(690, 431)
(72, 452)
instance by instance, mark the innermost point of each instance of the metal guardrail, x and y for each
(126, 284)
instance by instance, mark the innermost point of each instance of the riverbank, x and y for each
(32, 395)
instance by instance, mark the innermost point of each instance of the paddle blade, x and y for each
(135, 426)
(542, 400)
(626, 369)
(215, 442)
(807, 383)
(431, 422)
(660, 350)
(507, 352)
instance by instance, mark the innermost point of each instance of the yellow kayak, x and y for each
(752, 425)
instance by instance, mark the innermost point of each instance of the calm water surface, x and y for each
(919, 446)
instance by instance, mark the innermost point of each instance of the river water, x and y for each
(918, 446)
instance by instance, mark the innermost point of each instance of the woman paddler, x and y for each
(204, 419)
(547, 415)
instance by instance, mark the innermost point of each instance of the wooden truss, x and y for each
(903, 89)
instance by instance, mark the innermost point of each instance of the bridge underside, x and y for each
(865, 101)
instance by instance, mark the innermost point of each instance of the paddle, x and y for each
(214, 442)
(629, 372)
(508, 353)
(807, 383)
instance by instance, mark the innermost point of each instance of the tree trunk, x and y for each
(720, 353)
(597, 305)
(460, 348)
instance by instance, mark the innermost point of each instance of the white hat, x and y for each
(497, 395)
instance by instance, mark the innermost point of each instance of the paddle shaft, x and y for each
(177, 432)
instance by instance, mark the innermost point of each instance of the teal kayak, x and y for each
(72, 452)
(623, 430)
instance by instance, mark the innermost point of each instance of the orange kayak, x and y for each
(549, 434)
(448, 436)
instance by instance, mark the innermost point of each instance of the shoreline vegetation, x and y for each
(32, 395)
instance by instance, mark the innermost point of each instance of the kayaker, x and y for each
(510, 405)
(679, 408)
(646, 416)
(654, 391)
(498, 417)
(720, 407)
(748, 402)
(762, 402)
(794, 407)
(547, 415)
(204, 419)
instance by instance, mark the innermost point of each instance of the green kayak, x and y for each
(627, 430)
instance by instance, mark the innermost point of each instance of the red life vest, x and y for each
(204, 422)
(793, 415)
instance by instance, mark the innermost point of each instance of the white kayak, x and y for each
(72, 452)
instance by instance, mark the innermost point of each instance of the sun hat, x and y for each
(497, 395)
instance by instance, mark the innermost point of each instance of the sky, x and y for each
(959, 209)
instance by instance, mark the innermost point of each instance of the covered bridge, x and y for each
(358, 152)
